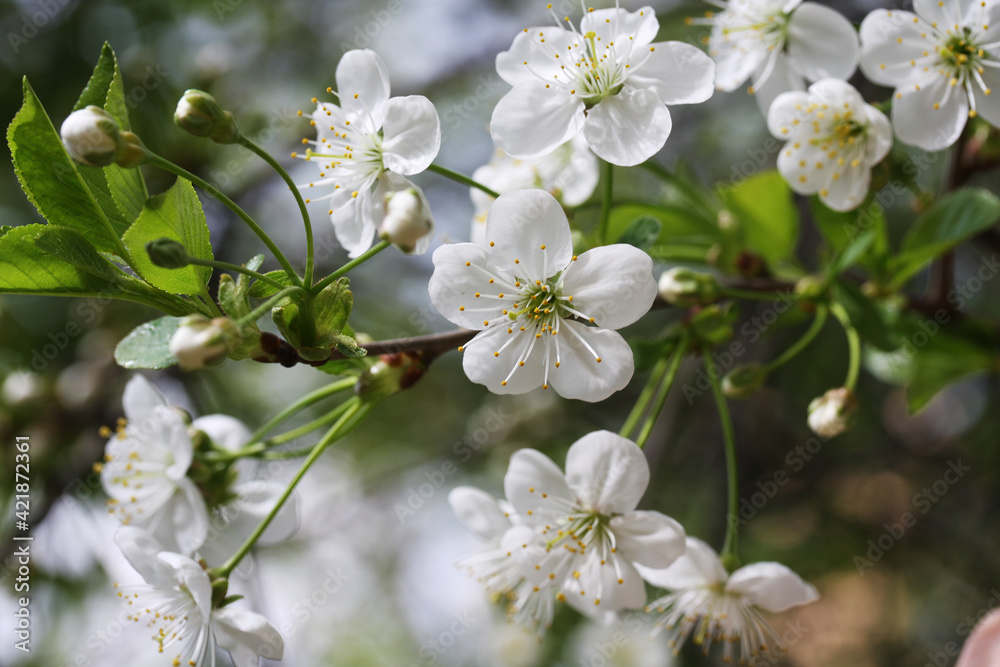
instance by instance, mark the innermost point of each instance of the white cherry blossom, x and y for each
(176, 604)
(592, 537)
(547, 317)
(504, 566)
(779, 44)
(569, 173)
(718, 607)
(145, 471)
(607, 80)
(833, 140)
(943, 62)
(365, 145)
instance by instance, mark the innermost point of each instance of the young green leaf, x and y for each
(148, 345)
(952, 219)
(768, 219)
(52, 181)
(642, 232)
(948, 355)
(176, 214)
(262, 290)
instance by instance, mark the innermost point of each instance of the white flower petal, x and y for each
(879, 135)
(771, 586)
(988, 106)
(247, 636)
(534, 483)
(946, 14)
(613, 284)
(480, 512)
(411, 134)
(190, 575)
(225, 431)
(140, 401)
(529, 59)
(454, 284)
(189, 516)
(649, 538)
(798, 167)
(490, 358)
(580, 375)
(530, 232)
(607, 473)
(983, 645)
(628, 128)
(890, 41)
(619, 25)
(822, 43)
(847, 192)
(141, 550)
(734, 61)
(532, 120)
(698, 567)
(781, 79)
(355, 223)
(603, 588)
(786, 109)
(920, 124)
(678, 73)
(363, 85)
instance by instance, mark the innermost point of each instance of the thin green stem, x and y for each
(263, 308)
(167, 165)
(346, 422)
(732, 524)
(259, 449)
(661, 396)
(608, 170)
(206, 298)
(226, 266)
(463, 179)
(802, 343)
(300, 405)
(853, 344)
(245, 141)
(655, 377)
(357, 261)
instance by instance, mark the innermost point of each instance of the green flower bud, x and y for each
(167, 253)
(810, 287)
(684, 287)
(743, 381)
(391, 374)
(91, 136)
(198, 113)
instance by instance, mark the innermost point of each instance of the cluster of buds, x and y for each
(92, 137)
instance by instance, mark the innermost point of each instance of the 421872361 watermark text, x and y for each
(21, 559)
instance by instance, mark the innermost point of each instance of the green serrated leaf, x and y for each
(45, 259)
(261, 290)
(120, 192)
(951, 220)
(349, 347)
(176, 214)
(642, 233)
(51, 180)
(148, 345)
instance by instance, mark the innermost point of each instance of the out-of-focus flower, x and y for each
(569, 173)
(779, 44)
(833, 140)
(177, 604)
(943, 63)
(719, 607)
(831, 414)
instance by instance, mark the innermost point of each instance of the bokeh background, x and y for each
(364, 583)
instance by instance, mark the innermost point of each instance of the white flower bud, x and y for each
(91, 136)
(684, 287)
(408, 222)
(830, 414)
(199, 342)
